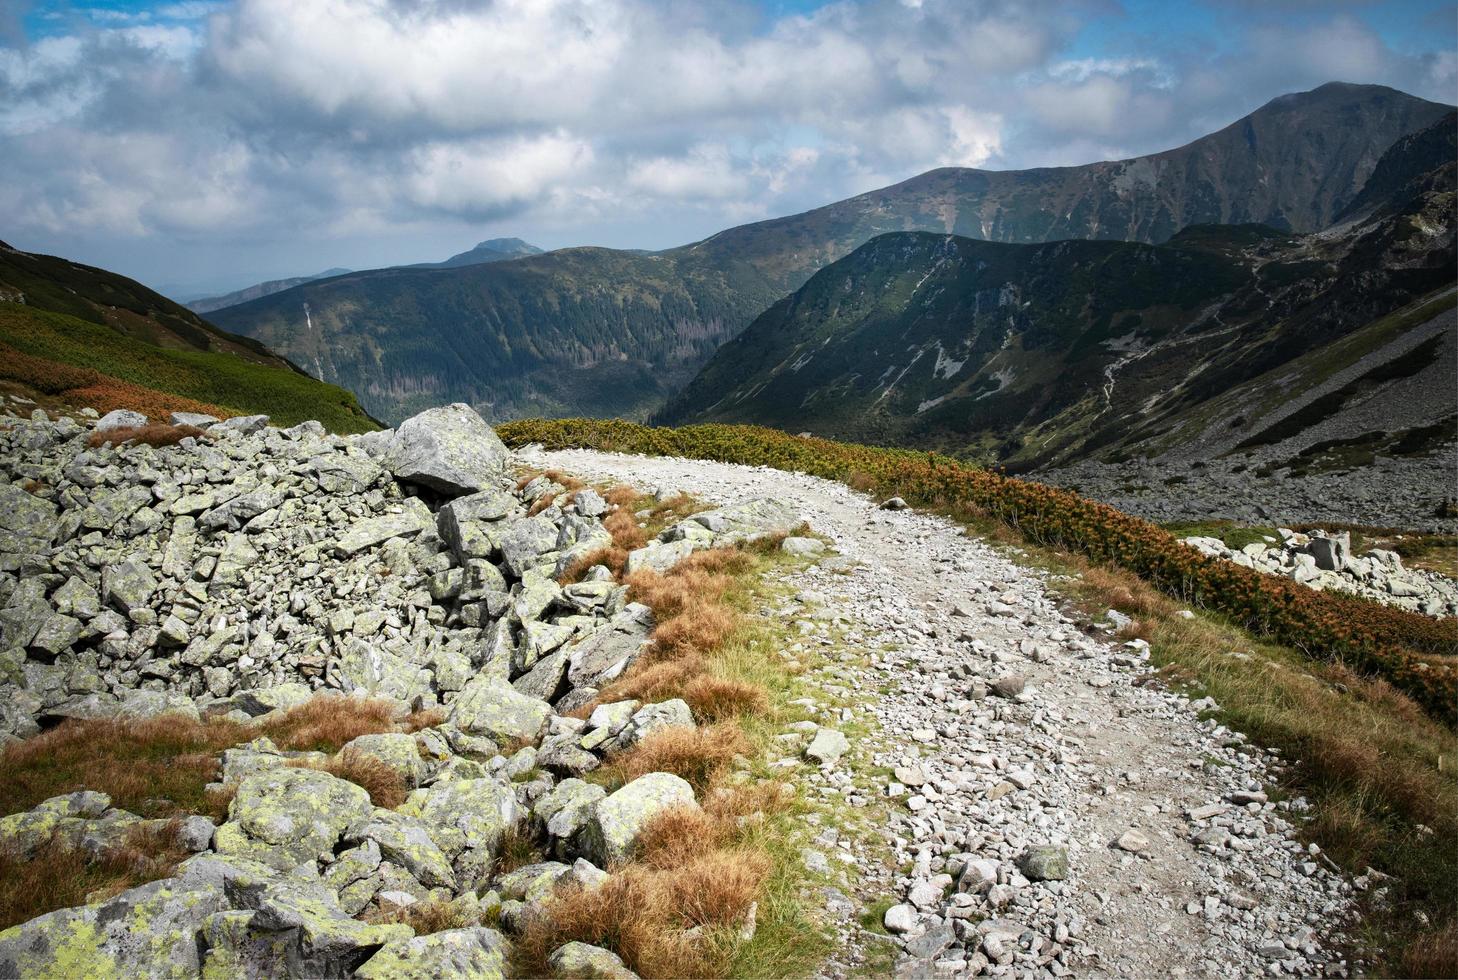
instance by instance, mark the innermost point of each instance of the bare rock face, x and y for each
(450, 449)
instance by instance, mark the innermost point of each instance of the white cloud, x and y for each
(278, 119)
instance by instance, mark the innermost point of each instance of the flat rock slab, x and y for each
(377, 530)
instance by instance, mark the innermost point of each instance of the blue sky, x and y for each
(205, 144)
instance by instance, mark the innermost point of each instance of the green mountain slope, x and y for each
(1032, 354)
(584, 330)
(75, 334)
(598, 332)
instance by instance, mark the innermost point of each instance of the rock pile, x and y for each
(1324, 561)
(240, 572)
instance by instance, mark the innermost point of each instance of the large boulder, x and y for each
(283, 817)
(321, 939)
(147, 931)
(576, 959)
(611, 831)
(488, 705)
(467, 818)
(450, 449)
(474, 952)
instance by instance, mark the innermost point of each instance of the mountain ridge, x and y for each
(399, 343)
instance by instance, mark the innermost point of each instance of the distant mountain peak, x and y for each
(511, 245)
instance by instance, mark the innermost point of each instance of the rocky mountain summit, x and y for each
(240, 570)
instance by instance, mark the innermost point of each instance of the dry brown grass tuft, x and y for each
(326, 722)
(516, 850)
(699, 628)
(717, 699)
(623, 527)
(642, 914)
(1434, 954)
(426, 917)
(155, 434)
(424, 718)
(654, 682)
(614, 558)
(386, 787)
(136, 763)
(620, 496)
(58, 876)
(699, 755)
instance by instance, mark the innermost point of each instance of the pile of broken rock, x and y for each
(1324, 561)
(243, 571)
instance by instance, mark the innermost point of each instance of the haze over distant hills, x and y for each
(605, 332)
(492, 250)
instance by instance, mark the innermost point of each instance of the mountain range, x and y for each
(1031, 355)
(591, 331)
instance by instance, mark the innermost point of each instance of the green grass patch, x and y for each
(225, 380)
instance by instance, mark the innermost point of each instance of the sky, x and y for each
(202, 145)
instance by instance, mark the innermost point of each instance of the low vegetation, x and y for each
(156, 435)
(89, 364)
(162, 766)
(677, 908)
(58, 876)
(1410, 651)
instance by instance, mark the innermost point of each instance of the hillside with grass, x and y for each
(72, 335)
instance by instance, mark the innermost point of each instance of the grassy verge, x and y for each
(93, 365)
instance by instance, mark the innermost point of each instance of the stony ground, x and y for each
(1010, 740)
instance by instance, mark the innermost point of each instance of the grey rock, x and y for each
(450, 450)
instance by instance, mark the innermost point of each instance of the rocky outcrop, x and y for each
(1324, 561)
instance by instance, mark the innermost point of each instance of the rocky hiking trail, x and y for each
(1045, 805)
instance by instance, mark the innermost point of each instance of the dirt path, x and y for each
(1177, 863)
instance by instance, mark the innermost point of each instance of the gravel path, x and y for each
(1177, 863)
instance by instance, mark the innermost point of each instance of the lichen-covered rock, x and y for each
(323, 940)
(233, 949)
(27, 523)
(475, 953)
(466, 818)
(413, 518)
(147, 931)
(564, 809)
(128, 585)
(450, 449)
(1044, 862)
(612, 829)
(581, 960)
(283, 817)
(673, 713)
(367, 667)
(120, 418)
(827, 747)
(491, 706)
(531, 882)
(405, 840)
(396, 750)
(611, 649)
